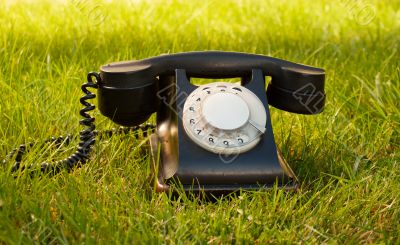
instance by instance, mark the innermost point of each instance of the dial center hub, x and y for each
(225, 111)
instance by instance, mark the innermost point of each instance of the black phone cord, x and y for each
(87, 136)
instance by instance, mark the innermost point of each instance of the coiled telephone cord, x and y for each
(87, 136)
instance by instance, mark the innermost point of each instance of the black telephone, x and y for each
(217, 136)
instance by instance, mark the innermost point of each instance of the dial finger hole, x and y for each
(226, 142)
(242, 139)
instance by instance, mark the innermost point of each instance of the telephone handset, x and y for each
(217, 136)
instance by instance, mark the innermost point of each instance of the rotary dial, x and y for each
(224, 118)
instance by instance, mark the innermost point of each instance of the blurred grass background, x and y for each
(347, 158)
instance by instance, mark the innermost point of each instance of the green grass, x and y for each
(347, 158)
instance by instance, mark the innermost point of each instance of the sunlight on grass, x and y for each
(347, 158)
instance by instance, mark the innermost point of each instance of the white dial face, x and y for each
(224, 118)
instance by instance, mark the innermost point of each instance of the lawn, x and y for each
(347, 158)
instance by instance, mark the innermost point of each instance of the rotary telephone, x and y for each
(215, 137)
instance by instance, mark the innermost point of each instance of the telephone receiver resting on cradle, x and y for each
(215, 137)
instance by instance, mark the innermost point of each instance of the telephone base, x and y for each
(164, 185)
(218, 190)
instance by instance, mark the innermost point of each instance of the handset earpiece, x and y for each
(127, 100)
(298, 89)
